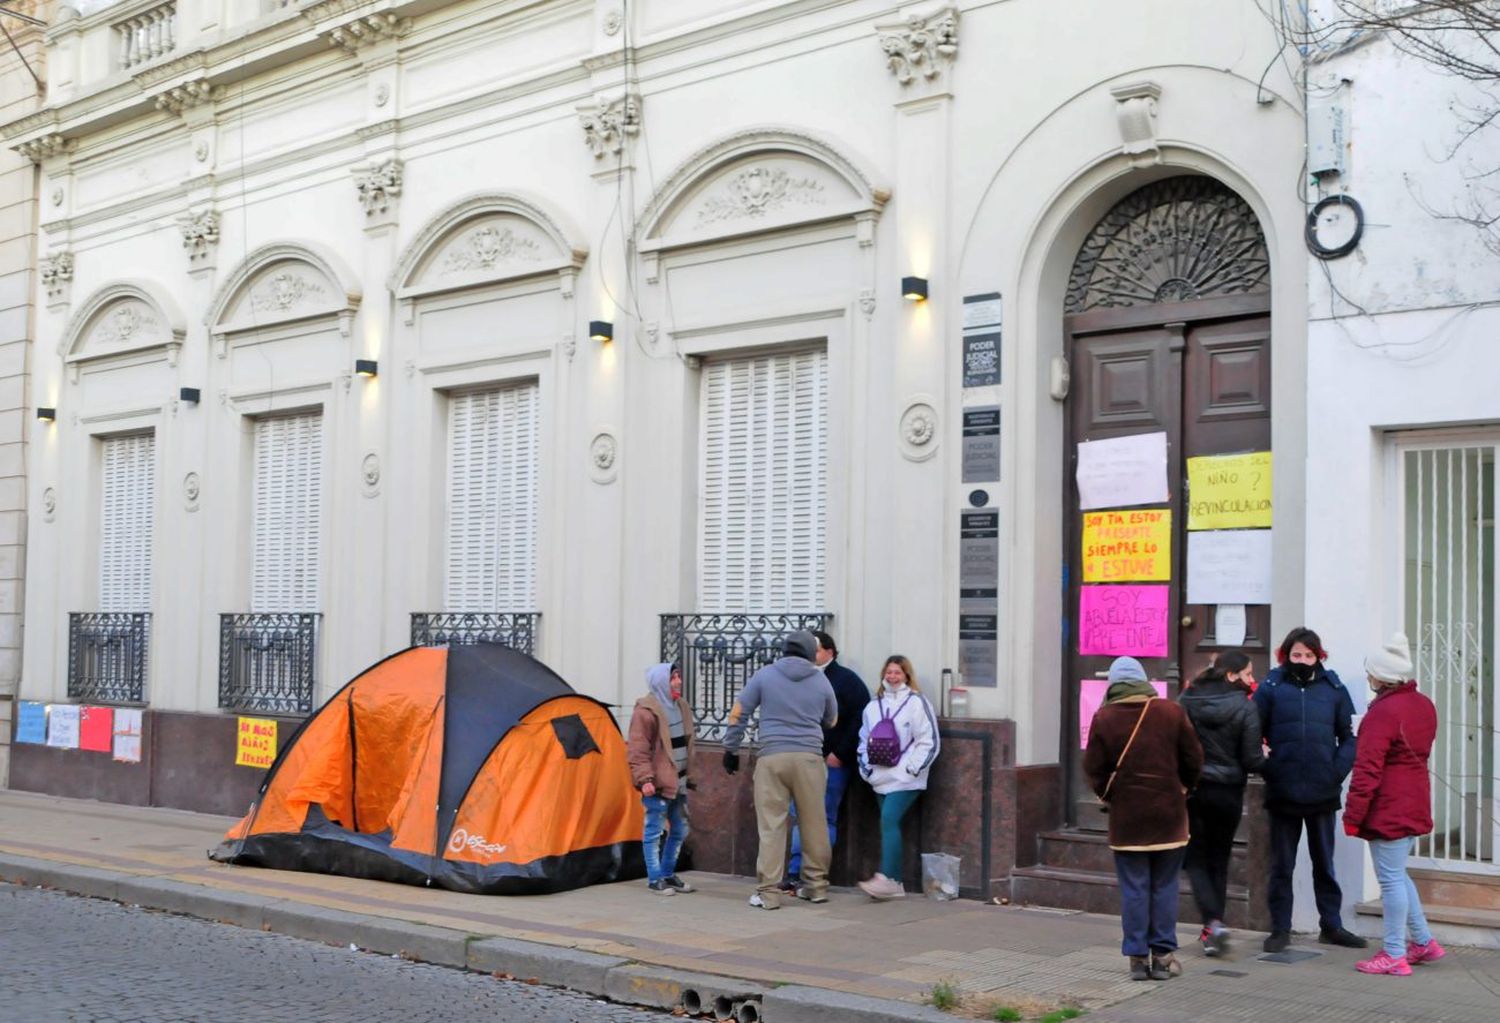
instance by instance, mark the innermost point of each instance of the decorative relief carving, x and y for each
(200, 233)
(918, 430)
(49, 504)
(127, 324)
(284, 290)
(1174, 240)
(378, 184)
(57, 196)
(569, 345)
(369, 471)
(486, 247)
(39, 149)
(362, 32)
(1135, 113)
(200, 150)
(185, 96)
(920, 45)
(608, 120)
(56, 272)
(759, 190)
(867, 302)
(613, 21)
(190, 489)
(603, 454)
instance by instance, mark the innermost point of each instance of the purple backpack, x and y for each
(883, 747)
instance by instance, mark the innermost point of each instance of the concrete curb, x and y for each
(599, 976)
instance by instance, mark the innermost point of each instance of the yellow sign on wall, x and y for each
(1127, 546)
(1230, 491)
(257, 742)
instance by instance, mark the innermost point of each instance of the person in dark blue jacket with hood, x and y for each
(1306, 716)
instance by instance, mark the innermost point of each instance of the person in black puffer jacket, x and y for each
(1306, 715)
(1218, 704)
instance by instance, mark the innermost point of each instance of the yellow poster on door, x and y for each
(1127, 546)
(1229, 491)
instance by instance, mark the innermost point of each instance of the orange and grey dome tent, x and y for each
(474, 768)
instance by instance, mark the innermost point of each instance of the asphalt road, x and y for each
(68, 958)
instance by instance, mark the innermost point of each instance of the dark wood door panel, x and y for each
(1227, 400)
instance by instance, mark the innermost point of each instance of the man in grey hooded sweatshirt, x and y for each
(796, 703)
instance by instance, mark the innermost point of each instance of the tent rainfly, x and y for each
(474, 768)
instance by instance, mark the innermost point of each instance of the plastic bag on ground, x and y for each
(940, 876)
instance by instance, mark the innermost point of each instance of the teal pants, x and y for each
(893, 807)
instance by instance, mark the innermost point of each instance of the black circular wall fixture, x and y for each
(1348, 245)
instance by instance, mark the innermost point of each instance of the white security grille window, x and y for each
(763, 478)
(492, 499)
(287, 513)
(1448, 515)
(129, 496)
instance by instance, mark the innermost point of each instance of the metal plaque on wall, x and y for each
(981, 444)
(982, 340)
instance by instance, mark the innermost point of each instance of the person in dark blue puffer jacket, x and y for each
(1306, 716)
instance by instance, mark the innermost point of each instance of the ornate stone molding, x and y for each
(38, 149)
(920, 45)
(609, 120)
(49, 504)
(369, 474)
(604, 452)
(918, 430)
(361, 32)
(200, 237)
(867, 302)
(1135, 113)
(758, 190)
(486, 247)
(190, 491)
(379, 185)
(185, 96)
(56, 273)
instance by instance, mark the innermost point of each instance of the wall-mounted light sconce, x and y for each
(45, 414)
(914, 289)
(365, 367)
(601, 330)
(189, 395)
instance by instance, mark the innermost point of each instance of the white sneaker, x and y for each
(760, 903)
(882, 888)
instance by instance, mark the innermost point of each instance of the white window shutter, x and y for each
(762, 483)
(288, 513)
(126, 522)
(492, 499)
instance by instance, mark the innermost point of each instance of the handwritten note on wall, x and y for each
(1117, 620)
(257, 743)
(1230, 491)
(1229, 566)
(1127, 546)
(1122, 471)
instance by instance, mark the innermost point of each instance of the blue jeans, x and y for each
(1148, 900)
(1399, 903)
(833, 796)
(667, 817)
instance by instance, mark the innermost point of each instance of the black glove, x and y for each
(731, 761)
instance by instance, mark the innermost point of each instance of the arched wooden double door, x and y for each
(1168, 333)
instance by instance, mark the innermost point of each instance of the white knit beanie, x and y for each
(1393, 662)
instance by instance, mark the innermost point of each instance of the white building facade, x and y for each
(585, 322)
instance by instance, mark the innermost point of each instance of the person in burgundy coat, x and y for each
(1390, 802)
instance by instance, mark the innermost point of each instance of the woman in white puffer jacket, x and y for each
(897, 784)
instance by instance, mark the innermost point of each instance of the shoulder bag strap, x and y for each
(1128, 742)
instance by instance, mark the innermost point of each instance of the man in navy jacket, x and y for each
(840, 746)
(1306, 717)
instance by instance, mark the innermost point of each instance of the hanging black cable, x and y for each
(1349, 244)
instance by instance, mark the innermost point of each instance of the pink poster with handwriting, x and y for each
(1114, 621)
(1090, 697)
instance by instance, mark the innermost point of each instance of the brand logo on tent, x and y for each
(462, 840)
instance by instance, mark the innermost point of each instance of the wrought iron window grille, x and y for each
(268, 661)
(719, 652)
(515, 629)
(107, 656)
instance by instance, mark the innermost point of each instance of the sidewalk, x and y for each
(827, 963)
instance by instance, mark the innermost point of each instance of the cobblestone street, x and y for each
(68, 958)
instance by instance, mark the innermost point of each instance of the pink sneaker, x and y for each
(1383, 962)
(1428, 953)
